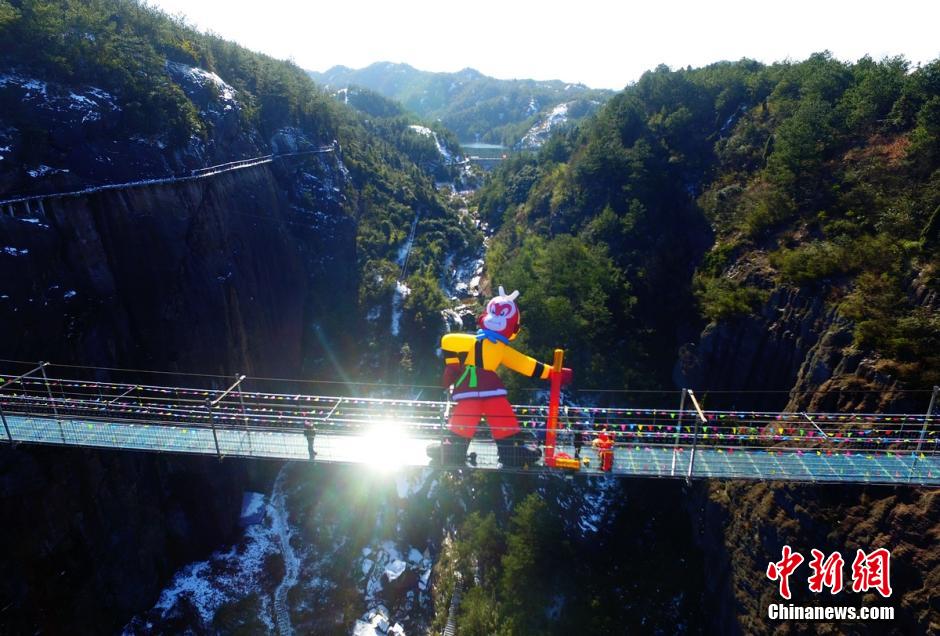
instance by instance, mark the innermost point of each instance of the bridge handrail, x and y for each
(714, 417)
(270, 418)
(862, 448)
(665, 445)
(261, 401)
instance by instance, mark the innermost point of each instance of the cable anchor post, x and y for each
(675, 447)
(698, 422)
(241, 402)
(55, 411)
(923, 431)
(215, 435)
(5, 427)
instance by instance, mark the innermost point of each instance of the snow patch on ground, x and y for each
(467, 278)
(595, 503)
(252, 507)
(404, 250)
(12, 251)
(89, 102)
(29, 85)
(224, 577)
(34, 222)
(402, 291)
(375, 622)
(424, 131)
(387, 563)
(409, 483)
(533, 106)
(43, 170)
(453, 321)
(540, 132)
(203, 78)
(237, 573)
(395, 569)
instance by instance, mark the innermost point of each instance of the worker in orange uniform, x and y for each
(604, 445)
(471, 363)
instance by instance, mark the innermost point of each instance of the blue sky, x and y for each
(601, 43)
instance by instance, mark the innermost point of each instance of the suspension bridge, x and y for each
(39, 407)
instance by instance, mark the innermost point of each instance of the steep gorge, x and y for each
(207, 275)
(776, 226)
(216, 274)
(794, 354)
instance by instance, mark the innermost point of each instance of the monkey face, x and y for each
(502, 314)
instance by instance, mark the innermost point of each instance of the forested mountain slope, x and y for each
(270, 270)
(474, 106)
(766, 235)
(108, 91)
(823, 174)
(427, 143)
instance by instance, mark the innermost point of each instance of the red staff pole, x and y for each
(554, 400)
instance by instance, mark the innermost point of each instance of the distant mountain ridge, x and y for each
(475, 106)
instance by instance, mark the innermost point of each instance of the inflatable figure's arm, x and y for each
(521, 363)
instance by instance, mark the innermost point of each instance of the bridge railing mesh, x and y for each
(747, 444)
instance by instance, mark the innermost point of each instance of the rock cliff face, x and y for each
(59, 137)
(217, 274)
(796, 355)
(762, 352)
(94, 536)
(210, 274)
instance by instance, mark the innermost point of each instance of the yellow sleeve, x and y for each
(525, 365)
(454, 343)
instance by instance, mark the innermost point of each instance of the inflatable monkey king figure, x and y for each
(472, 360)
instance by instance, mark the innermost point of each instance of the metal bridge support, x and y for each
(675, 447)
(215, 435)
(124, 395)
(55, 411)
(5, 427)
(923, 431)
(701, 420)
(18, 379)
(440, 442)
(211, 403)
(241, 402)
